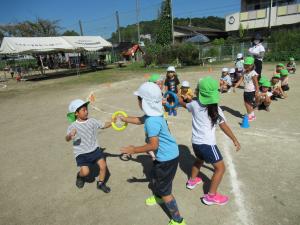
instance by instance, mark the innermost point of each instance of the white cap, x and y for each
(171, 69)
(239, 56)
(225, 70)
(151, 99)
(232, 70)
(185, 84)
(75, 104)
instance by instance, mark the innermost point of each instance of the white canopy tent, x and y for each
(17, 45)
(87, 43)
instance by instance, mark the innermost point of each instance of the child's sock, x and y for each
(173, 209)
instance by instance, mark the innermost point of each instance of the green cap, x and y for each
(208, 91)
(284, 73)
(154, 77)
(71, 117)
(292, 59)
(249, 61)
(262, 79)
(280, 64)
(277, 75)
(266, 84)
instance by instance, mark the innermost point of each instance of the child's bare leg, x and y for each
(171, 204)
(84, 171)
(102, 165)
(196, 168)
(217, 177)
(249, 108)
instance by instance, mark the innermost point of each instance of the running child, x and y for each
(206, 114)
(83, 133)
(251, 87)
(171, 84)
(162, 143)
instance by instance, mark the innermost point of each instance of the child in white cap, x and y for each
(159, 140)
(185, 92)
(225, 81)
(83, 133)
(171, 84)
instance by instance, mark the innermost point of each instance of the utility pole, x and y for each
(270, 14)
(80, 26)
(118, 25)
(137, 20)
(171, 4)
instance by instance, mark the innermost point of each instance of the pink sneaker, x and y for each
(192, 183)
(216, 199)
(251, 118)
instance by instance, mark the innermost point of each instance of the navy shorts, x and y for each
(208, 153)
(162, 175)
(90, 158)
(249, 97)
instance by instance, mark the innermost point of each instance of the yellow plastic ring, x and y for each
(114, 125)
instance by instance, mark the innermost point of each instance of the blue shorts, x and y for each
(90, 158)
(208, 153)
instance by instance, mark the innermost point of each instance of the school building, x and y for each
(264, 16)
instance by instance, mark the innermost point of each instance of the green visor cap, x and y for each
(266, 84)
(249, 61)
(71, 117)
(277, 75)
(284, 73)
(154, 77)
(280, 65)
(262, 79)
(208, 91)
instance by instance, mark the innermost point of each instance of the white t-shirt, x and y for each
(249, 84)
(239, 65)
(202, 130)
(227, 78)
(256, 50)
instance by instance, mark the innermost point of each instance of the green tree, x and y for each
(164, 33)
(70, 33)
(241, 31)
(39, 28)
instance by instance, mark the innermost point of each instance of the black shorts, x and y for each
(249, 97)
(90, 158)
(208, 153)
(285, 87)
(162, 175)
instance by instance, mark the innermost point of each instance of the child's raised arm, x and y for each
(133, 120)
(226, 129)
(151, 146)
(71, 135)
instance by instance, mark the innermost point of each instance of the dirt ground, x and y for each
(37, 168)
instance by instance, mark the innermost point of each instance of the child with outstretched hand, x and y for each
(160, 141)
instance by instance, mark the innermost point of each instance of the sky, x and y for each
(98, 16)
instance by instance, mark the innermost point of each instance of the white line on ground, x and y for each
(242, 213)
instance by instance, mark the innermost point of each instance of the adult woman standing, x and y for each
(257, 51)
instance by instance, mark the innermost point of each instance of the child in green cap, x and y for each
(83, 133)
(251, 87)
(284, 77)
(264, 96)
(279, 67)
(291, 66)
(206, 114)
(276, 88)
